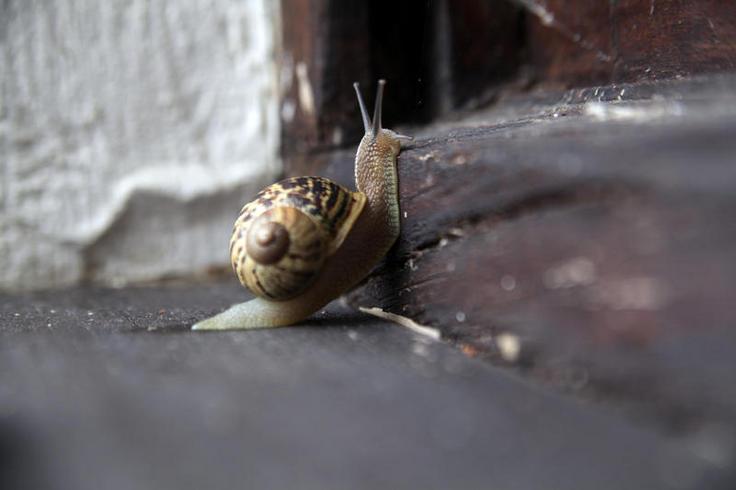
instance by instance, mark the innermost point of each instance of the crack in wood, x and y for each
(548, 18)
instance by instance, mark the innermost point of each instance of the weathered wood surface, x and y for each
(108, 389)
(440, 56)
(318, 65)
(436, 57)
(580, 42)
(595, 229)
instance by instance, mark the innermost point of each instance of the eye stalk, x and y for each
(373, 126)
(363, 111)
(378, 108)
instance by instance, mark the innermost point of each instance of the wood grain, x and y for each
(580, 42)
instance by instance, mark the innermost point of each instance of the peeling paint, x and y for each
(172, 99)
(427, 156)
(306, 95)
(180, 182)
(509, 346)
(633, 111)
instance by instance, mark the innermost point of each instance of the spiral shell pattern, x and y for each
(316, 213)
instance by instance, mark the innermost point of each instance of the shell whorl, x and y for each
(289, 262)
(267, 240)
(282, 238)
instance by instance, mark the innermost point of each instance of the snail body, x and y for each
(304, 241)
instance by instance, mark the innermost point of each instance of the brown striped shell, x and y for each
(282, 237)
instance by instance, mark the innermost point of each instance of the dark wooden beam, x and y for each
(437, 56)
(578, 42)
(320, 58)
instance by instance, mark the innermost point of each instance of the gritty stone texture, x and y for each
(131, 133)
(109, 389)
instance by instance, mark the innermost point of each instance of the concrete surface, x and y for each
(108, 389)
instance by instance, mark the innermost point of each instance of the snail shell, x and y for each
(283, 242)
(282, 238)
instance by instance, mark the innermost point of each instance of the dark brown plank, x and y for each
(581, 42)
(435, 56)
(318, 64)
(441, 56)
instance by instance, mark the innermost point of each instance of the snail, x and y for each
(304, 241)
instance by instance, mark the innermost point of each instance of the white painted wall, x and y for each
(131, 132)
